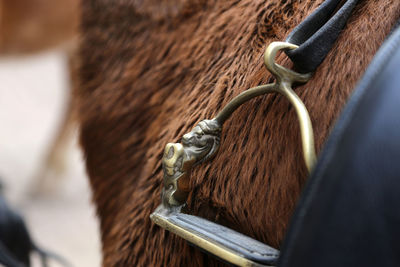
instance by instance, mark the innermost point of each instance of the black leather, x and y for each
(222, 236)
(317, 33)
(349, 212)
(16, 244)
(15, 241)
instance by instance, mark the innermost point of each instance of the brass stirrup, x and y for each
(200, 145)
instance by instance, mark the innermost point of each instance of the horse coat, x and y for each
(150, 70)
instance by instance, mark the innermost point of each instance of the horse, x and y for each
(150, 71)
(37, 25)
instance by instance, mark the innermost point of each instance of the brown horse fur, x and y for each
(150, 70)
(28, 26)
(32, 26)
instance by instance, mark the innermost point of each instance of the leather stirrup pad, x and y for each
(316, 35)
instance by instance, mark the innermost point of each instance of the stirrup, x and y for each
(200, 145)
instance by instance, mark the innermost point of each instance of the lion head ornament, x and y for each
(197, 146)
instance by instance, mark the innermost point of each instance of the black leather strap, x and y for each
(317, 33)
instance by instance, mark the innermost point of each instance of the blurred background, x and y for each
(41, 165)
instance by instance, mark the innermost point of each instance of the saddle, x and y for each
(347, 212)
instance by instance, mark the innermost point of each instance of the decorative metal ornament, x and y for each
(197, 146)
(201, 144)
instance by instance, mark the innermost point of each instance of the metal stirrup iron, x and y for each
(307, 46)
(201, 144)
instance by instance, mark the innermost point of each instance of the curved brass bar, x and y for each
(306, 130)
(245, 96)
(285, 78)
(284, 89)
